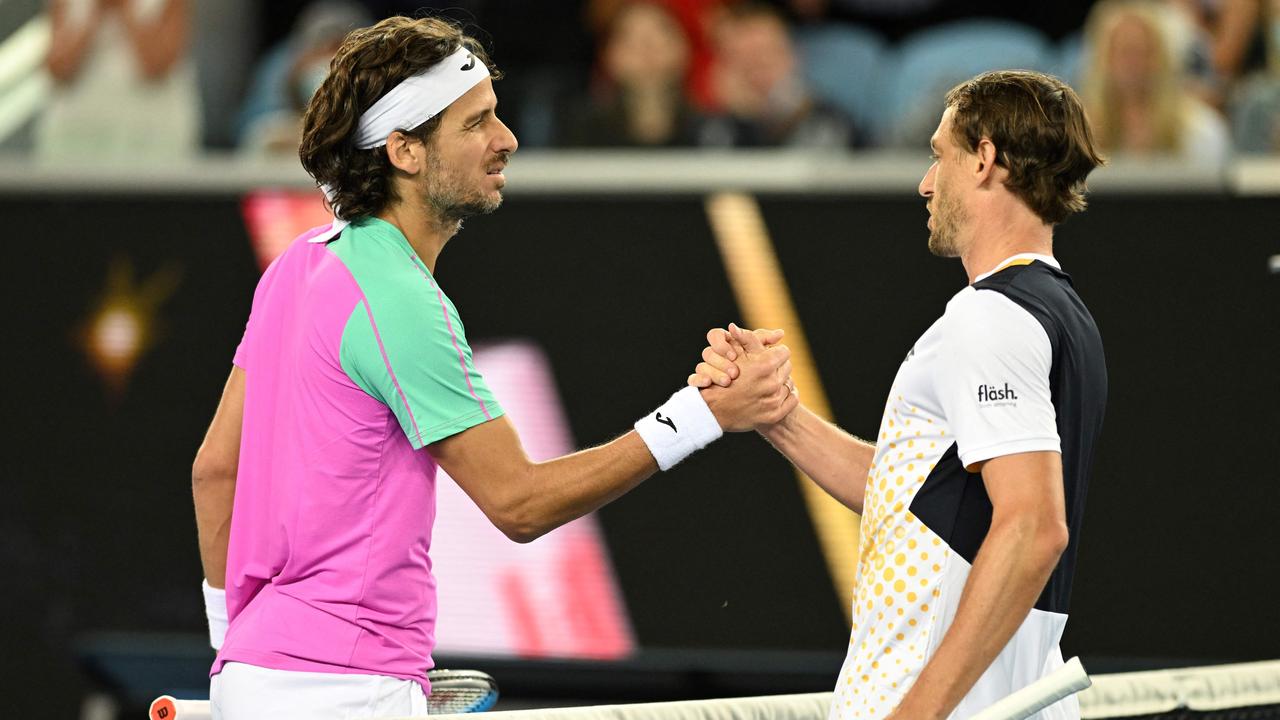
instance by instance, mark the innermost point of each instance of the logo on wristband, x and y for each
(666, 421)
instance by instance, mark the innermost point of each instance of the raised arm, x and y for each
(161, 41)
(837, 461)
(525, 499)
(69, 40)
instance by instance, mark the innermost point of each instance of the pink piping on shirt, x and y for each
(387, 361)
(382, 350)
(466, 374)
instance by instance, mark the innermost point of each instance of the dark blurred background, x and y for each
(719, 554)
(140, 200)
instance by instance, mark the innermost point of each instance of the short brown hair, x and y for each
(1041, 134)
(369, 63)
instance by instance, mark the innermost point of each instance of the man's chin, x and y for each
(491, 203)
(478, 206)
(942, 246)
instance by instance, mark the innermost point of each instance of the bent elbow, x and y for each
(1053, 541)
(206, 473)
(519, 527)
(522, 535)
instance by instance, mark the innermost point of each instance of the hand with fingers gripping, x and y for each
(717, 366)
(746, 382)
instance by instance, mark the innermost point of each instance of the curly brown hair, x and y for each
(1041, 134)
(369, 63)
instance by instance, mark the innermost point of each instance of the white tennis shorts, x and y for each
(249, 692)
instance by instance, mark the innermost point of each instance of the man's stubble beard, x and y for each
(446, 194)
(948, 217)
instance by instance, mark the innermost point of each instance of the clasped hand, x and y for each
(745, 377)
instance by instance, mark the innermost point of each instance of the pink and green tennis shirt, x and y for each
(354, 360)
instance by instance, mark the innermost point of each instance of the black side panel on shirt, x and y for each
(1078, 383)
(954, 504)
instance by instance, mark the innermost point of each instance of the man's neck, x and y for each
(1002, 236)
(426, 232)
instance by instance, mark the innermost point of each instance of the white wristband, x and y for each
(215, 608)
(682, 426)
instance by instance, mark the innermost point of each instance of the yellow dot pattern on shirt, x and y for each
(899, 572)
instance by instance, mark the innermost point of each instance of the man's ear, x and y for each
(985, 164)
(405, 152)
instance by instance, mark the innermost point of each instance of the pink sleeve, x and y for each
(239, 359)
(244, 351)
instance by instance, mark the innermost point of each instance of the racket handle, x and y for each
(166, 707)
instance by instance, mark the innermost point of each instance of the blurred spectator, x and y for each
(124, 87)
(645, 59)
(1136, 90)
(761, 87)
(1233, 31)
(897, 19)
(1221, 41)
(1256, 106)
(288, 75)
(698, 19)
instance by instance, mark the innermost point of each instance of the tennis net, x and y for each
(1244, 691)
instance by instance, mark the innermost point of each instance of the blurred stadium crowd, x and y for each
(165, 79)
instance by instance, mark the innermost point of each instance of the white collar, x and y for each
(1019, 259)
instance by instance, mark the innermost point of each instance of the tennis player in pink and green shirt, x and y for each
(315, 485)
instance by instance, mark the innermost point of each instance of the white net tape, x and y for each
(1201, 688)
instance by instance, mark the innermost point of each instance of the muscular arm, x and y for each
(213, 479)
(837, 461)
(1027, 536)
(525, 499)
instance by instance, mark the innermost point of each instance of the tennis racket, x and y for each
(460, 691)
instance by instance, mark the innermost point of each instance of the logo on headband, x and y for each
(471, 62)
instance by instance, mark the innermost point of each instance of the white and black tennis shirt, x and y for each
(1014, 365)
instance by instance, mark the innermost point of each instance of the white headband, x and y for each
(414, 101)
(419, 98)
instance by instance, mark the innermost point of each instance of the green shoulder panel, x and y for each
(404, 344)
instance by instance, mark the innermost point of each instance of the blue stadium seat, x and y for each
(1068, 61)
(844, 65)
(932, 61)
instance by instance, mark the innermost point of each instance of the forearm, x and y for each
(577, 484)
(214, 496)
(837, 461)
(1008, 575)
(526, 499)
(1234, 35)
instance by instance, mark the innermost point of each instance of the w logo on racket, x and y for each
(471, 62)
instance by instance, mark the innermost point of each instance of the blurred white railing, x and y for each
(535, 172)
(24, 85)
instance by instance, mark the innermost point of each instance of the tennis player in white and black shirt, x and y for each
(972, 496)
